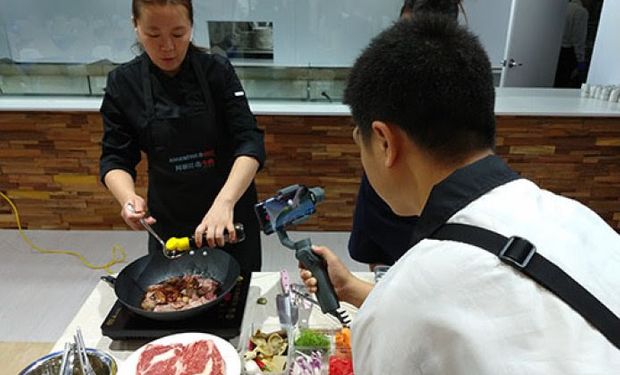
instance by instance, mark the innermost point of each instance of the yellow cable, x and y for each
(116, 249)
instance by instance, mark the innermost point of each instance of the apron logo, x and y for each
(193, 161)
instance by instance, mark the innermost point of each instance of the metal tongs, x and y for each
(87, 369)
(77, 348)
(167, 254)
(66, 366)
(301, 296)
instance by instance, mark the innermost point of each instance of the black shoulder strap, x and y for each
(521, 254)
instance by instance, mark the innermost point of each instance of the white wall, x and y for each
(605, 63)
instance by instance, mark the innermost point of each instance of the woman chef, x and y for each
(186, 110)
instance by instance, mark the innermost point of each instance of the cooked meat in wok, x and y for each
(180, 293)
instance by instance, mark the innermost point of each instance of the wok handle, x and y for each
(111, 280)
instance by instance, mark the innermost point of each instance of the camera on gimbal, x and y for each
(291, 205)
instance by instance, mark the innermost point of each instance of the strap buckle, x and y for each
(517, 252)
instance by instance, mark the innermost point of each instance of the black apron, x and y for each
(185, 174)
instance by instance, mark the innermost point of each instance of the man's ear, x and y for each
(388, 141)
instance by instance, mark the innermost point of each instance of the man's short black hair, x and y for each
(432, 78)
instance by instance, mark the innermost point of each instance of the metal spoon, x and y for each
(149, 229)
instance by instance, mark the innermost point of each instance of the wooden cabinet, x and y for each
(49, 164)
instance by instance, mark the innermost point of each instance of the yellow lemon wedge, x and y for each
(177, 244)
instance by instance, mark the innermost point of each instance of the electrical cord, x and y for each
(118, 252)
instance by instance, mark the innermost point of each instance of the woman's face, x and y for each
(165, 32)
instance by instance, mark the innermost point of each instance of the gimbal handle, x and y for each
(325, 293)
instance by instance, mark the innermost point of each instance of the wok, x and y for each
(132, 282)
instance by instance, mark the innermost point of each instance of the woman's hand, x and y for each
(133, 207)
(218, 218)
(348, 288)
(133, 210)
(220, 215)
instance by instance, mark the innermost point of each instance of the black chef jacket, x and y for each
(124, 113)
(378, 235)
(381, 236)
(458, 190)
(128, 109)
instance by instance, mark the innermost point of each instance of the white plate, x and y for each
(228, 352)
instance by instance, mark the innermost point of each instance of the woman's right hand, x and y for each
(133, 210)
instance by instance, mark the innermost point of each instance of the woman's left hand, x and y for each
(218, 218)
(220, 215)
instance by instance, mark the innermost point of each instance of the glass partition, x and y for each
(260, 82)
(282, 49)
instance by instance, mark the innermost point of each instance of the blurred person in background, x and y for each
(572, 67)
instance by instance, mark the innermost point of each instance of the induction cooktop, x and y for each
(223, 319)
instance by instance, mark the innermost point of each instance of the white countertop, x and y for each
(509, 102)
(263, 284)
(551, 102)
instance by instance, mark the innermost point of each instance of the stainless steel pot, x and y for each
(102, 363)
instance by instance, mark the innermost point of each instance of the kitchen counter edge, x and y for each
(508, 102)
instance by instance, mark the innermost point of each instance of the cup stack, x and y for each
(610, 93)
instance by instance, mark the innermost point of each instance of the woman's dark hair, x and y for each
(430, 77)
(137, 5)
(449, 8)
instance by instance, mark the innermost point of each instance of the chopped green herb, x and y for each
(312, 339)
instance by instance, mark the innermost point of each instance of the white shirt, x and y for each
(576, 29)
(450, 308)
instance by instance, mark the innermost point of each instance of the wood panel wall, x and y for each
(49, 165)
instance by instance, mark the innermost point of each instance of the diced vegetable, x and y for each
(312, 339)
(340, 366)
(307, 365)
(343, 339)
(261, 365)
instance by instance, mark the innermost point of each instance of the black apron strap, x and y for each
(225, 144)
(148, 91)
(521, 254)
(202, 81)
